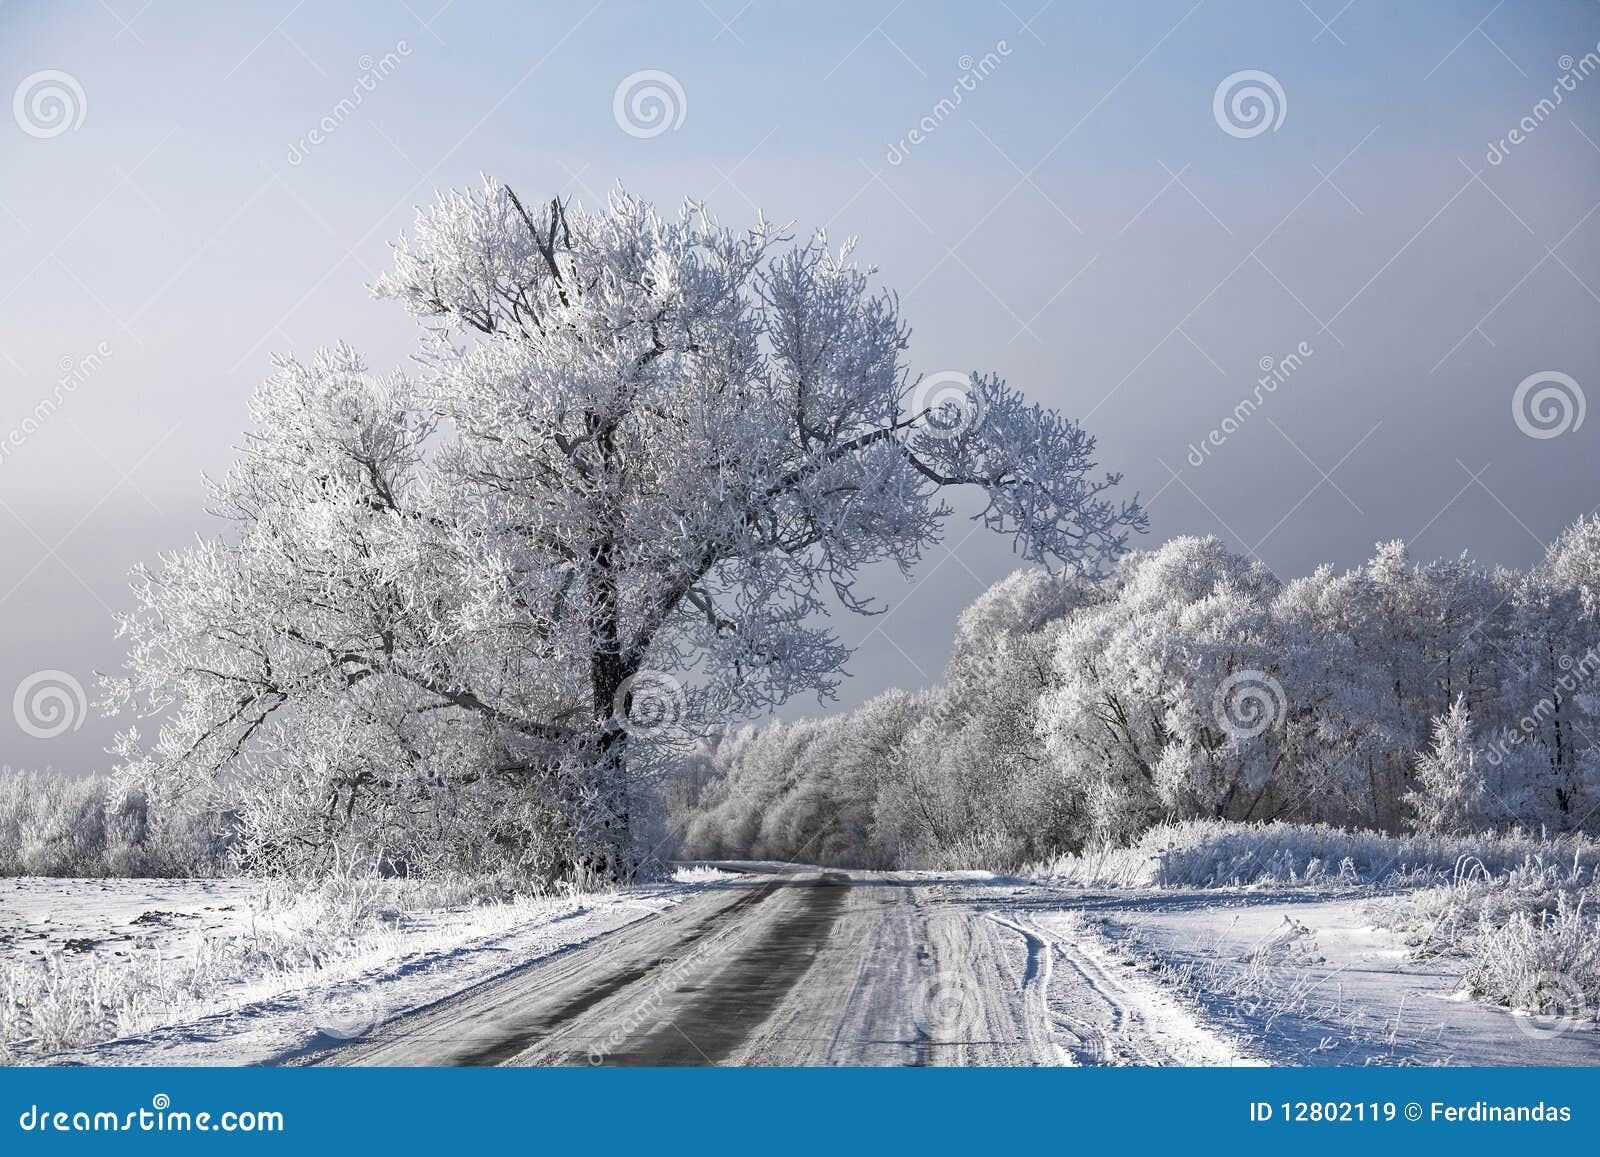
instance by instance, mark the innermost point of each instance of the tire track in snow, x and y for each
(1036, 980)
(1126, 1027)
(1115, 1020)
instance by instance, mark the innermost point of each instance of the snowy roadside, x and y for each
(1308, 978)
(208, 972)
(1099, 1009)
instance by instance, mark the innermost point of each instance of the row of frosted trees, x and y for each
(1446, 696)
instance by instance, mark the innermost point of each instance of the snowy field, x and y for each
(1309, 978)
(179, 972)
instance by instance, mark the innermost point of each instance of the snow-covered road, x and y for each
(812, 968)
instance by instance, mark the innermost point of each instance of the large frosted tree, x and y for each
(642, 455)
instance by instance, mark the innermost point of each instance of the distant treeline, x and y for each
(53, 824)
(1443, 697)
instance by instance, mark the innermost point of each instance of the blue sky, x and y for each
(1081, 223)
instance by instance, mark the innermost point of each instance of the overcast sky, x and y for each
(186, 189)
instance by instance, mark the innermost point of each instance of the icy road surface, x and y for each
(814, 968)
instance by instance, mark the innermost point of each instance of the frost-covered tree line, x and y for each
(54, 824)
(466, 616)
(1445, 697)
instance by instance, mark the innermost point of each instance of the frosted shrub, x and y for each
(1545, 963)
(1528, 935)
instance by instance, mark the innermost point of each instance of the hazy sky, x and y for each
(1080, 220)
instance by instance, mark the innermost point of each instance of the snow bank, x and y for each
(1307, 980)
(1516, 916)
(1528, 938)
(1220, 854)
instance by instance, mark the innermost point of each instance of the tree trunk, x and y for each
(614, 856)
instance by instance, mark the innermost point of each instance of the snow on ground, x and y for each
(1307, 978)
(819, 968)
(210, 972)
(41, 918)
(1110, 1014)
(909, 967)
